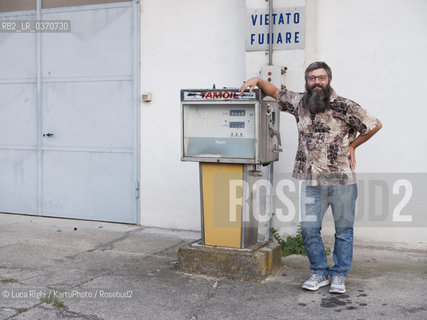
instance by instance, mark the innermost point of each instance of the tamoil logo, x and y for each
(219, 95)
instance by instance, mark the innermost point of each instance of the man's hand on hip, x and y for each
(352, 156)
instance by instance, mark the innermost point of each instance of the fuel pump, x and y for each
(235, 138)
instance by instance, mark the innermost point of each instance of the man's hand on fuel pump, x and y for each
(251, 83)
(268, 88)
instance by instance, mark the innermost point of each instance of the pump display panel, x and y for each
(221, 126)
(210, 130)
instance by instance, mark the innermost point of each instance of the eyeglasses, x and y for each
(323, 77)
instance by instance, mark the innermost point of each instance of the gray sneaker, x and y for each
(315, 282)
(338, 284)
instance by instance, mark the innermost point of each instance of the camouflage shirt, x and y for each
(322, 157)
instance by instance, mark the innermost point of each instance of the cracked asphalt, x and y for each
(67, 269)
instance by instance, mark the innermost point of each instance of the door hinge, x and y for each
(137, 190)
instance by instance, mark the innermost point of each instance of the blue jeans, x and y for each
(314, 202)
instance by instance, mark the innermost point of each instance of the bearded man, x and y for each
(327, 127)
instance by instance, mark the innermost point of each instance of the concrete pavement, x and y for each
(67, 269)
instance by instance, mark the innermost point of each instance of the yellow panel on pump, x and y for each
(222, 203)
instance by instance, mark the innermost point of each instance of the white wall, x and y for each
(375, 49)
(185, 44)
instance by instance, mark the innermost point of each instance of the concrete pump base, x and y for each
(254, 263)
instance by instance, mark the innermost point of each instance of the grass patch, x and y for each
(21, 310)
(58, 304)
(53, 301)
(9, 280)
(292, 244)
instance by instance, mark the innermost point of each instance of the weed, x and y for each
(58, 304)
(53, 301)
(21, 310)
(293, 244)
(9, 280)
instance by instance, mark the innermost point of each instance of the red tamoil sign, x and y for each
(219, 95)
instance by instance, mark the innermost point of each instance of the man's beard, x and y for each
(317, 101)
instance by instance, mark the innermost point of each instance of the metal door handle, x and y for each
(47, 134)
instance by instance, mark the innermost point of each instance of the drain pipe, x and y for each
(270, 31)
(270, 63)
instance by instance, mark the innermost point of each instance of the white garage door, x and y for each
(69, 114)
